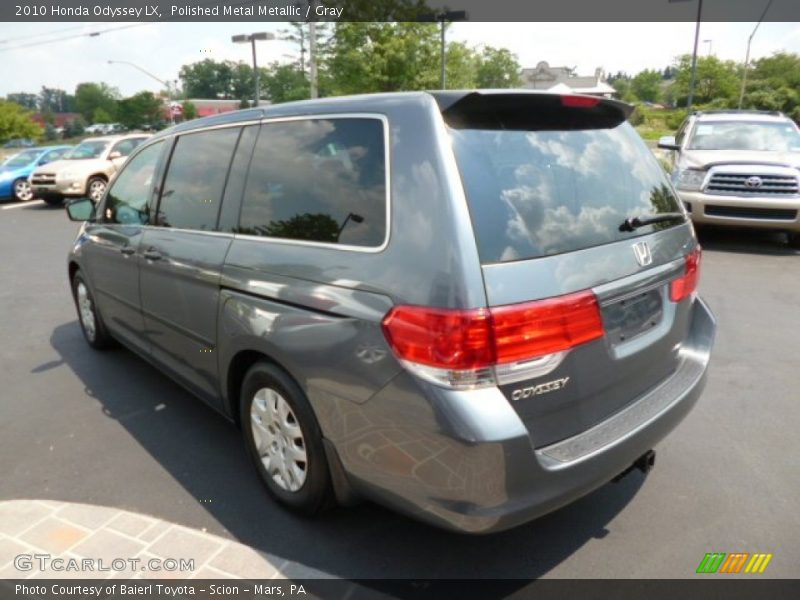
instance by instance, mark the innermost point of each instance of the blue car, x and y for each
(14, 172)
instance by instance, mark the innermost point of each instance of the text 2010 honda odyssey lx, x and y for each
(474, 307)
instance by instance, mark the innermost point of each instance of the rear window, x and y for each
(534, 192)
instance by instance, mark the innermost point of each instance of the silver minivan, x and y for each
(474, 307)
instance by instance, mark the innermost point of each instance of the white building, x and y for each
(545, 77)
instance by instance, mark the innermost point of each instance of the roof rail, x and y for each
(733, 111)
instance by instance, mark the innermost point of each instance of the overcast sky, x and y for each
(26, 63)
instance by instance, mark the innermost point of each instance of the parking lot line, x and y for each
(22, 204)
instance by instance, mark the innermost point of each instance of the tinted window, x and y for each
(125, 147)
(536, 193)
(321, 180)
(126, 201)
(195, 179)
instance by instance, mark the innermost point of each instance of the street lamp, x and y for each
(694, 52)
(252, 39)
(444, 17)
(747, 55)
(148, 73)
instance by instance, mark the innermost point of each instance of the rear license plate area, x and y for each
(631, 316)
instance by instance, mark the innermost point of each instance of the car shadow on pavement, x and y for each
(204, 454)
(744, 241)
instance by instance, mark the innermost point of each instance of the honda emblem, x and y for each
(642, 253)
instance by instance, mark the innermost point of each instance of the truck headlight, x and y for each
(690, 180)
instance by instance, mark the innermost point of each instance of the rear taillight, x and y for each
(579, 101)
(471, 348)
(685, 285)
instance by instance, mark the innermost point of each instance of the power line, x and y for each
(72, 37)
(46, 34)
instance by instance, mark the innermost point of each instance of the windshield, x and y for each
(87, 150)
(745, 135)
(537, 193)
(22, 159)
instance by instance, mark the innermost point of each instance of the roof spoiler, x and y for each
(529, 110)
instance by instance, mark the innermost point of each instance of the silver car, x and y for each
(739, 168)
(474, 307)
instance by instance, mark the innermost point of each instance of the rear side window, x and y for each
(195, 179)
(535, 192)
(318, 180)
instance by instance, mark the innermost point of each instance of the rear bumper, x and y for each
(465, 461)
(766, 212)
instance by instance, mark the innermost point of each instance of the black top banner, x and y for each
(397, 10)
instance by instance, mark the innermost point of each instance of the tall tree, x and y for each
(55, 100)
(91, 96)
(497, 68)
(646, 85)
(283, 83)
(717, 80)
(139, 109)
(25, 100)
(15, 122)
(208, 79)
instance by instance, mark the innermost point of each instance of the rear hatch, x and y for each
(562, 194)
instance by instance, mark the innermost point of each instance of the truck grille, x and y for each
(747, 184)
(43, 179)
(747, 212)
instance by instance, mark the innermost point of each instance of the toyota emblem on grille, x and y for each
(642, 253)
(753, 182)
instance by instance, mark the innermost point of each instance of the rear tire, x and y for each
(22, 190)
(94, 330)
(284, 440)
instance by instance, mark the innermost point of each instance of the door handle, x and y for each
(127, 250)
(152, 255)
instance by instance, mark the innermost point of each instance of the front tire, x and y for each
(284, 440)
(94, 330)
(95, 188)
(22, 190)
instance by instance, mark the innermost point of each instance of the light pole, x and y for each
(149, 74)
(694, 52)
(135, 66)
(252, 38)
(444, 17)
(747, 55)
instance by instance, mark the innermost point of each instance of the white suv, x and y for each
(739, 168)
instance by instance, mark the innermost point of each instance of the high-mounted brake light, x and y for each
(462, 348)
(685, 286)
(579, 101)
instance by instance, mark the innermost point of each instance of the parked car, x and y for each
(85, 170)
(473, 307)
(15, 170)
(739, 168)
(96, 129)
(19, 143)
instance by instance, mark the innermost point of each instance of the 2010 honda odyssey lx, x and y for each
(473, 307)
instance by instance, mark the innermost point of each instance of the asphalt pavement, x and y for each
(107, 429)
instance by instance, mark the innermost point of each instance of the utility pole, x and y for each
(312, 57)
(694, 57)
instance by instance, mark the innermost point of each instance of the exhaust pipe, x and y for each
(644, 463)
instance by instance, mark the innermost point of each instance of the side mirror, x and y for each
(114, 154)
(80, 209)
(668, 143)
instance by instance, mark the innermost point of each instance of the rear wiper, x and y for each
(632, 223)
